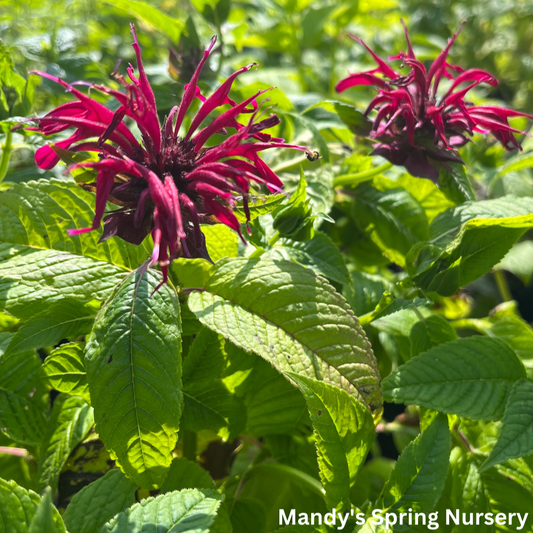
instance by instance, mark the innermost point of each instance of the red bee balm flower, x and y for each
(167, 184)
(418, 129)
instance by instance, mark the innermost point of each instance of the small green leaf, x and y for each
(66, 319)
(430, 332)
(258, 306)
(99, 502)
(46, 516)
(71, 419)
(186, 510)
(134, 373)
(185, 474)
(20, 419)
(516, 433)
(64, 369)
(344, 431)
(420, 473)
(469, 377)
(454, 183)
(20, 507)
(221, 241)
(389, 304)
(259, 205)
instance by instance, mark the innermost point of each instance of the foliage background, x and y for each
(301, 47)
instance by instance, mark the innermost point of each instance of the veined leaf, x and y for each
(208, 404)
(289, 316)
(18, 508)
(134, 373)
(344, 431)
(516, 433)
(319, 254)
(389, 304)
(64, 369)
(46, 516)
(37, 214)
(33, 279)
(20, 419)
(221, 241)
(71, 419)
(420, 473)
(469, 377)
(186, 510)
(185, 474)
(367, 291)
(99, 502)
(430, 332)
(66, 319)
(260, 206)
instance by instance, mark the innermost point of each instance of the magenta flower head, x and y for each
(419, 129)
(166, 184)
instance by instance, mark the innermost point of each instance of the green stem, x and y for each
(189, 445)
(503, 287)
(274, 239)
(355, 179)
(6, 153)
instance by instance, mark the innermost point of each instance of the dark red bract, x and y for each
(419, 129)
(166, 184)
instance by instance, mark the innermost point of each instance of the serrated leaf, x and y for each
(64, 370)
(469, 377)
(208, 404)
(18, 508)
(66, 319)
(185, 474)
(393, 219)
(468, 494)
(31, 280)
(319, 254)
(259, 206)
(430, 332)
(344, 431)
(454, 183)
(71, 419)
(287, 314)
(389, 304)
(420, 473)
(37, 214)
(99, 502)
(133, 368)
(220, 241)
(20, 419)
(45, 518)
(516, 433)
(186, 510)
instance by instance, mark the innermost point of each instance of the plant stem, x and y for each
(189, 445)
(359, 177)
(503, 287)
(6, 152)
(274, 239)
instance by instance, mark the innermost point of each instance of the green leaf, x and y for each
(32, 280)
(97, 503)
(221, 241)
(286, 314)
(389, 304)
(20, 419)
(367, 292)
(454, 183)
(248, 516)
(420, 473)
(516, 433)
(134, 373)
(430, 332)
(37, 214)
(186, 510)
(309, 124)
(46, 516)
(185, 474)
(319, 254)
(259, 205)
(208, 404)
(468, 494)
(393, 219)
(66, 319)
(150, 16)
(19, 507)
(344, 431)
(468, 377)
(71, 419)
(355, 120)
(64, 369)
(519, 261)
